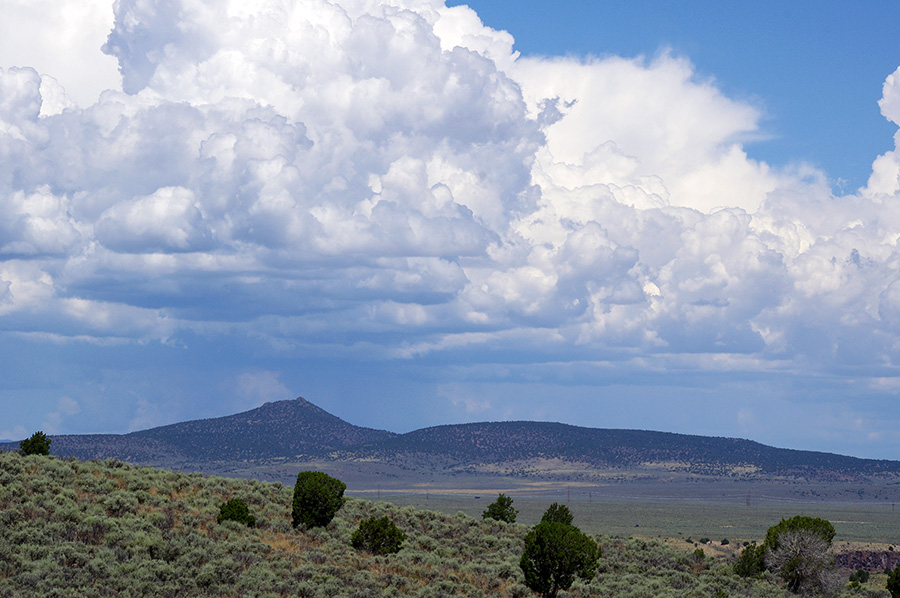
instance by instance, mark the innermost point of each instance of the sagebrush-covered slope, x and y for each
(74, 529)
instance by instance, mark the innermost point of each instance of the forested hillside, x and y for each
(105, 528)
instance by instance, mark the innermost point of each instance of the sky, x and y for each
(610, 214)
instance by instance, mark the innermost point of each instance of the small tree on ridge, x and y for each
(38, 444)
(501, 510)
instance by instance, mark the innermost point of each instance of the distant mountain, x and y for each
(283, 429)
(279, 429)
(515, 444)
(298, 431)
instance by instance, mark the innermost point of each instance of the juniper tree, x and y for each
(38, 444)
(501, 510)
(558, 513)
(317, 497)
(555, 554)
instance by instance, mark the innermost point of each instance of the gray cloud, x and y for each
(391, 180)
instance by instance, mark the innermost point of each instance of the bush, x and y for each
(236, 510)
(317, 497)
(752, 561)
(38, 444)
(501, 510)
(555, 554)
(725, 542)
(893, 582)
(860, 576)
(557, 513)
(378, 535)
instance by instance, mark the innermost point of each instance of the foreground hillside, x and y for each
(73, 528)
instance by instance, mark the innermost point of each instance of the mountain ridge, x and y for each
(299, 431)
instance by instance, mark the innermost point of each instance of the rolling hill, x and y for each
(475, 446)
(299, 432)
(282, 429)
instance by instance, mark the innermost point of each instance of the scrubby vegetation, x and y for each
(105, 528)
(378, 535)
(236, 510)
(893, 582)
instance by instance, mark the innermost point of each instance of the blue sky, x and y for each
(815, 68)
(612, 214)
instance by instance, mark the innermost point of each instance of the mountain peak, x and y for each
(288, 428)
(297, 430)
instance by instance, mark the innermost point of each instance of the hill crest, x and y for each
(296, 431)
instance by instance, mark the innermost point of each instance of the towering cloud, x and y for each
(389, 178)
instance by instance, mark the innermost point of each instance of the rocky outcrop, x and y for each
(873, 561)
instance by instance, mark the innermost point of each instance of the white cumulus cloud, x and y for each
(390, 179)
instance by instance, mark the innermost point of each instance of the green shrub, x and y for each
(555, 554)
(38, 444)
(236, 510)
(317, 497)
(378, 535)
(501, 510)
(893, 582)
(860, 576)
(725, 542)
(752, 561)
